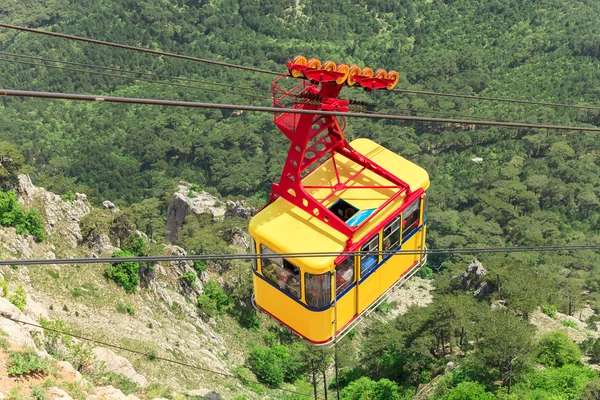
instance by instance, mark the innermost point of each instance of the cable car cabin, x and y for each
(299, 291)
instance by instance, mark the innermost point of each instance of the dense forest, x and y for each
(531, 188)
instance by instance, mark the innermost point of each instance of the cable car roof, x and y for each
(286, 228)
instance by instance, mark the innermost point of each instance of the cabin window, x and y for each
(281, 272)
(369, 261)
(344, 275)
(410, 218)
(318, 289)
(253, 249)
(391, 235)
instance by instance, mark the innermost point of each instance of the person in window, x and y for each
(349, 213)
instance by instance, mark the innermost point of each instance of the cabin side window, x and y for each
(344, 275)
(369, 261)
(281, 272)
(391, 235)
(410, 218)
(318, 289)
(253, 250)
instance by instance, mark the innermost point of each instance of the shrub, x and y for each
(214, 300)
(555, 349)
(19, 299)
(275, 365)
(38, 393)
(125, 308)
(189, 277)
(125, 274)
(69, 196)
(54, 274)
(26, 363)
(199, 266)
(12, 213)
(4, 287)
(62, 347)
(549, 310)
(569, 324)
(425, 273)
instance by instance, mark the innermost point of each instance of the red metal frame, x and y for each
(316, 138)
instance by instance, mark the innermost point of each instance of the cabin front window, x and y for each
(369, 261)
(318, 289)
(391, 235)
(411, 216)
(344, 275)
(281, 272)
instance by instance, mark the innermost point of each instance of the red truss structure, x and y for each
(316, 138)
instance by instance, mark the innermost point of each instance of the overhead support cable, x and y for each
(174, 103)
(250, 257)
(133, 72)
(133, 78)
(500, 99)
(140, 49)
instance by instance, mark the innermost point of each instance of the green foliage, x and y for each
(11, 163)
(119, 381)
(59, 344)
(274, 365)
(567, 382)
(54, 274)
(26, 363)
(125, 308)
(4, 287)
(189, 277)
(568, 323)
(69, 196)
(549, 309)
(244, 375)
(199, 266)
(12, 213)
(555, 349)
(468, 391)
(214, 301)
(125, 274)
(38, 393)
(19, 298)
(367, 389)
(425, 273)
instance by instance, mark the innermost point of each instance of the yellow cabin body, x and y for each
(299, 291)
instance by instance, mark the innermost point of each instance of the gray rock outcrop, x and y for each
(117, 364)
(239, 209)
(185, 201)
(19, 334)
(472, 280)
(61, 217)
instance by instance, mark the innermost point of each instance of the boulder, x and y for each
(55, 393)
(203, 394)
(117, 364)
(239, 209)
(107, 393)
(185, 201)
(20, 334)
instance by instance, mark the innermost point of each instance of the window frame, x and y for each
(396, 244)
(322, 299)
(281, 273)
(410, 228)
(346, 282)
(374, 240)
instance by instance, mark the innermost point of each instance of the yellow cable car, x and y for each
(334, 197)
(297, 291)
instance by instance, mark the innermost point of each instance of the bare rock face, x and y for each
(185, 202)
(107, 393)
(19, 334)
(55, 393)
(239, 209)
(61, 217)
(117, 364)
(471, 280)
(171, 275)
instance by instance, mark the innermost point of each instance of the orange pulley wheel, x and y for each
(381, 73)
(344, 69)
(329, 66)
(395, 76)
(298, 60)
(314, 63)
(368, 72)
(354, 70)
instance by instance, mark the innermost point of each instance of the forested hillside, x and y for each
(531, 188)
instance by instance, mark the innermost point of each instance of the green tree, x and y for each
(555, 349)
